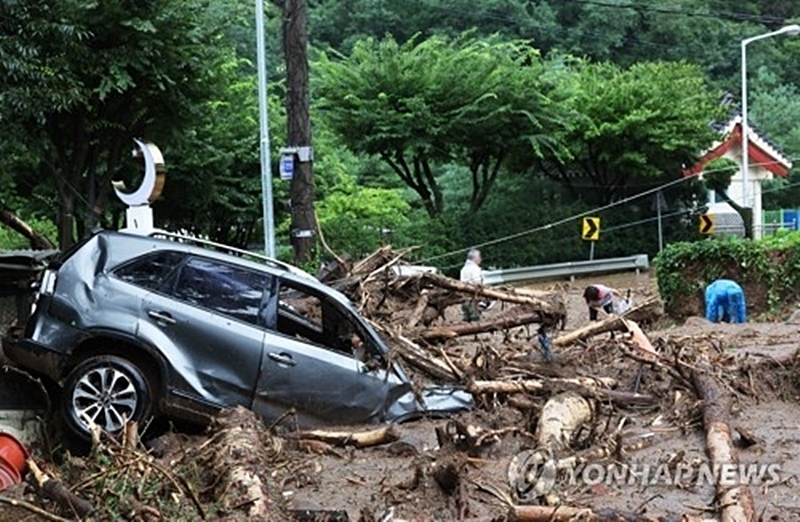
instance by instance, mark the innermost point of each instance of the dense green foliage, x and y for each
(435, 101)
(81, 79)
(437, 123)
(643, 122)
(768, 270)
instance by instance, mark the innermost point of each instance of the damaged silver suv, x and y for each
(135, 326)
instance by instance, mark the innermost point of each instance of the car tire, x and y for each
(109, 390)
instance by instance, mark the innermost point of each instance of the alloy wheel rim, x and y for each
(106, 397)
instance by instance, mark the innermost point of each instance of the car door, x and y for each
(309, 370)
(207, 322)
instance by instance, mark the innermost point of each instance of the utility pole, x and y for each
(295, 48)
(263, 117)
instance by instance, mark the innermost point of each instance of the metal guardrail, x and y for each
(571, 269)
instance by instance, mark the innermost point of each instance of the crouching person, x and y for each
(600, 297)
(725, 302)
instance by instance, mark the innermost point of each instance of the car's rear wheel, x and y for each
(107, 391)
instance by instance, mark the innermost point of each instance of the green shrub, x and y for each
(768, 270)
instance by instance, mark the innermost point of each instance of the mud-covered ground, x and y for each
(658, 470)
(371, 480)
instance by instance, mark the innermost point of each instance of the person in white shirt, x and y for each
(600, 297)
(472, 274)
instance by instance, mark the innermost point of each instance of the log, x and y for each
(234, 460)
(736, 501)
(537, 385)
(56, 491)
(419, 311)
(422, 360)
(647, 311)
(373, 261)
(15, 223)
(508, 296)
(620, 398)
(561, 417)
(362, 439)
(570, 514)
(443, 333)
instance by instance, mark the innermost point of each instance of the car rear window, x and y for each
(151, 270)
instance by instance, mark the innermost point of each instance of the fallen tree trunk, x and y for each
(422, 360)
(536, 385)
(560, 418)
(443, 333)
(235, 460)
(361, 439)
(15, 223)
(647, 311)
(620, 398)
(508, 296)
(735, 500)
(570, 514)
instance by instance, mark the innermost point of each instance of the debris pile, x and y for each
(550, 405)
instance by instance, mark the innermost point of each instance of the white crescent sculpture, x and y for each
(153, 182)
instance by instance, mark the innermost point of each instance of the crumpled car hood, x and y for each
(434, 401)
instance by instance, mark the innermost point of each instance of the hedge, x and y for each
(768, 270)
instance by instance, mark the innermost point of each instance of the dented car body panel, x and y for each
(215, 330)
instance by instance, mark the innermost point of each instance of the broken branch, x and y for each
(736, 501)
(647, 311)
(537, 385)
(363, 439)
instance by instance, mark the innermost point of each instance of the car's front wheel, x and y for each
(106, 391)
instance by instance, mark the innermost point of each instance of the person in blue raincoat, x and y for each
(725, 302)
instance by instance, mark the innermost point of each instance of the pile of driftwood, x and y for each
(410, 310)
(574, 417)
(392, 294)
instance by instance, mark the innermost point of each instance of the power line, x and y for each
(587, 213)
(677, 11)
(632, 224)
(722, 16)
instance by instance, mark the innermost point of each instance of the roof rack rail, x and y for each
(231, 250)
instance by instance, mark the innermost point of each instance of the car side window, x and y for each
(222, 288)
(310, 317)
(150, 271)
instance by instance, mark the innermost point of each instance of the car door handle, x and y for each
(282, 358)
(162, 317)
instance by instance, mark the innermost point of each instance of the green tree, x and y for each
(341, 23)
(775, 109)
(646, 122)
(421, 104)
(84, 78)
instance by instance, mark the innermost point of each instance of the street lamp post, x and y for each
(787, 30)
(266, 160)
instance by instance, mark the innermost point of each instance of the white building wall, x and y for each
(757, 175)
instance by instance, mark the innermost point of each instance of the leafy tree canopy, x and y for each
(419, 104)
(646, 121)
(83, 78)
